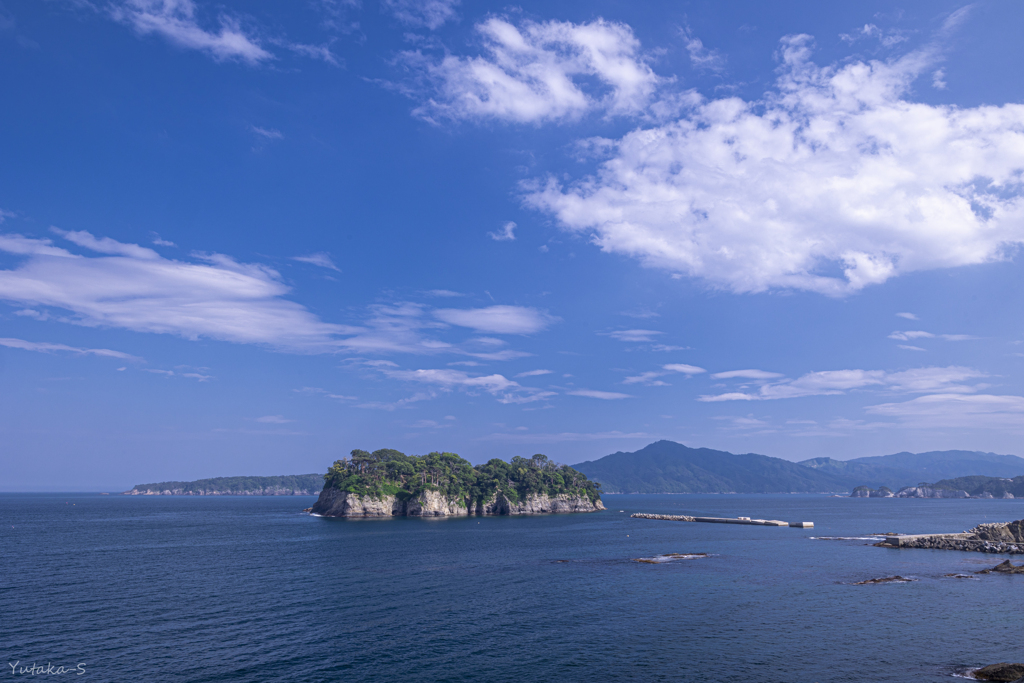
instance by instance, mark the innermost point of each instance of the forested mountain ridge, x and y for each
(669, 467)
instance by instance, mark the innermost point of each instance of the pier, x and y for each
(725, 520)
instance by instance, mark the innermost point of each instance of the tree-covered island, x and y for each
(387, 482)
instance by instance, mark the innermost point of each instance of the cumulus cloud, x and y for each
(836, 180)
(135, 288)
(507, 233)
(321, 259)
(431, 14)
(832, 382)
(536, 72)
(176, 21)
(48, 347)
(497, 319)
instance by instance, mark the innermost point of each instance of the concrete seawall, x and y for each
(725, 520)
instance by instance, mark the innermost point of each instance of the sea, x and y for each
(167, 588)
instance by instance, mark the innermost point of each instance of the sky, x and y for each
(247, 238)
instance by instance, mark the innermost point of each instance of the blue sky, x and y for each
(246, 238)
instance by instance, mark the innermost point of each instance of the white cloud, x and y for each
(939, 79)
(507, 233)
(274, 419)
(4, 215)
(431, 14)
(48, 347)
(908, 316)
(908, 347)
(746, 374)
(956, 411)
(886, 38)
(833, 382)
(176, 21)
(920, 334)
(647, 378)
(593, 393)
(268, 133)
(497, 319)
(134, 288)
(322, 259)
(534, 373)
(701, 57)
(835, 169)
(504, 389)
(632, 335)
(550, 71)
(684, 368)
(443, 293)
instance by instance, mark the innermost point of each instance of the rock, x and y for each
(307, 510)
(1004, 671)
(887, 579)
(1005, 567)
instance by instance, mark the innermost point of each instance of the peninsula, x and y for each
(388, 483)
(285, 485)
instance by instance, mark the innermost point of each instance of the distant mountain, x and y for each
(669, 467)
(909, 469)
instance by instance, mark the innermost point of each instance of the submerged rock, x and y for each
(1004, 671)
(669, 557)
(886, 579)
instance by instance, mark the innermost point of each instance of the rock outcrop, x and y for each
(1005, 567)
(335, 503)
(867, 492)
(1004, 671)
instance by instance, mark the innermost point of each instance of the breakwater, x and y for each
(999, 537)
(724, 520)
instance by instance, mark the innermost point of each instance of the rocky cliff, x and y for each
(267, 491)
(335, 503)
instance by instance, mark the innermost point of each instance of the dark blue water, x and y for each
(251, 589)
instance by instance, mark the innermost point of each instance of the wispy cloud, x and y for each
(132, 287)
(431, 14)
(746, 374)
(920, 334)
(593, 393)
(176, 21)
(701, 57)
(48, 347)
(322, 259)
(497, 319)
(267, 133)
(956, 411)
(507, 233)
(632, 335)
(564, 436)
(274, 419)
(651, 378)
(908, 316)
(833, 382)
(534, 373)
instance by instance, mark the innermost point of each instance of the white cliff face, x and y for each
(925, 492)
(335, 503)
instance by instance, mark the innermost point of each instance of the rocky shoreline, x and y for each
(335, 503)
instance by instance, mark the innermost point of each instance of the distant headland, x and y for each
(388, 483)
(285, 485)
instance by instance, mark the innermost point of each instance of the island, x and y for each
(388, 483)
(284, 485)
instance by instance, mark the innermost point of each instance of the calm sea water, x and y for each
(251, 589)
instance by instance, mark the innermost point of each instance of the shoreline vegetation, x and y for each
(283, 485)
(389, 483)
